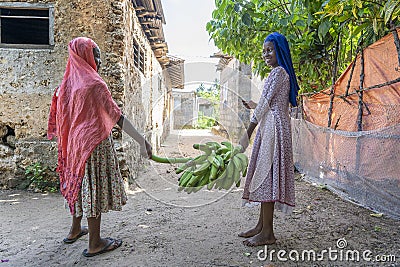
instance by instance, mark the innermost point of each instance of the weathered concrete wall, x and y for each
(236, 83)
(185, 112)
(146, 95)
(28, 78)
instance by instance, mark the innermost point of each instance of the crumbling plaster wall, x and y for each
(236, 79)
(146, 95)
(28, 78)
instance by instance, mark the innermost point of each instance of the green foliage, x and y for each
(211, 94)
(40, 178)
(312, 27)
(205, 122)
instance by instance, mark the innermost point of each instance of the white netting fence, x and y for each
(360, 166)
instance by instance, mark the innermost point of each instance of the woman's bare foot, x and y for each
(251, 232)
(260, 239)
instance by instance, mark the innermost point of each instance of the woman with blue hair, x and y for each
(270, 175)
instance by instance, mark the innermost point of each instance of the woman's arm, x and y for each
(126, 125)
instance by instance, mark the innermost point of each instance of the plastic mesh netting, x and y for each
(360, 166)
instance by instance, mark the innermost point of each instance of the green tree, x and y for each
(211, 94)
(315, 29)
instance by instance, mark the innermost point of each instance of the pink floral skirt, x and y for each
(102, 186)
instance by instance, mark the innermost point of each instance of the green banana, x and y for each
(228, 182)
(185, 178)
(188, 189)
(219, 161)
(213, 145)
(204, 180)
(237, 162)
(245, 162)
(227, 144)
(243, 158)
(213, 172)
(211, 157)
(197, 160)
(237, 149)
(236, 173)
(194, 180)
(222, 150)
(181, 168)
(238, 184)
(200, 159)
(230, 169)
(218, 167)
(244, 172)
(222, 175)
(211, 184)
(169, 160)
(219, 183)
(206, 149)
(203, 168)
(227, 156)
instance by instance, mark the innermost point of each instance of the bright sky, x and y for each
(185, 29)
(187, 38)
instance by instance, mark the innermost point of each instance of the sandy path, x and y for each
(161, 227)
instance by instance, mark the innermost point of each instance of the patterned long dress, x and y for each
(102, 186)
(270, 176)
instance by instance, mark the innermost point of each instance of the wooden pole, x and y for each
(351, 76)
(396, 39)
(334, 73)
(360, 94)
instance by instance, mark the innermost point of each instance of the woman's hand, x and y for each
(146, 150)
(249, 104)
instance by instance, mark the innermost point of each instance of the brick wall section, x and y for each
(28, 78)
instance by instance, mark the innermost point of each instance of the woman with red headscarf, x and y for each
(82, 115)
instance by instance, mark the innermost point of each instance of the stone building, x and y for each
(237, 83)
(185, 109)
(33, 54)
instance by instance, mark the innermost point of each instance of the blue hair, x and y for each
(284, 59)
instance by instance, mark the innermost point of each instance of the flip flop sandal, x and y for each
(116, 243)
(83, 232)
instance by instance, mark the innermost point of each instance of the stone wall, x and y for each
(28, 78)
(185, 109)
(236, 84)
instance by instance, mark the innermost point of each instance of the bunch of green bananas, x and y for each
(218, 167)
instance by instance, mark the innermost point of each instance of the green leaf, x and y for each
(359, 28)
(389, 9)
(358, 3)
(237, 7)
(300, 23)
(323, 29)
(246, 19)
(375, 25)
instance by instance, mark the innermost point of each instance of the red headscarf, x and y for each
(82, 115)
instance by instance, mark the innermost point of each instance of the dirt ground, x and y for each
(163, 227)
